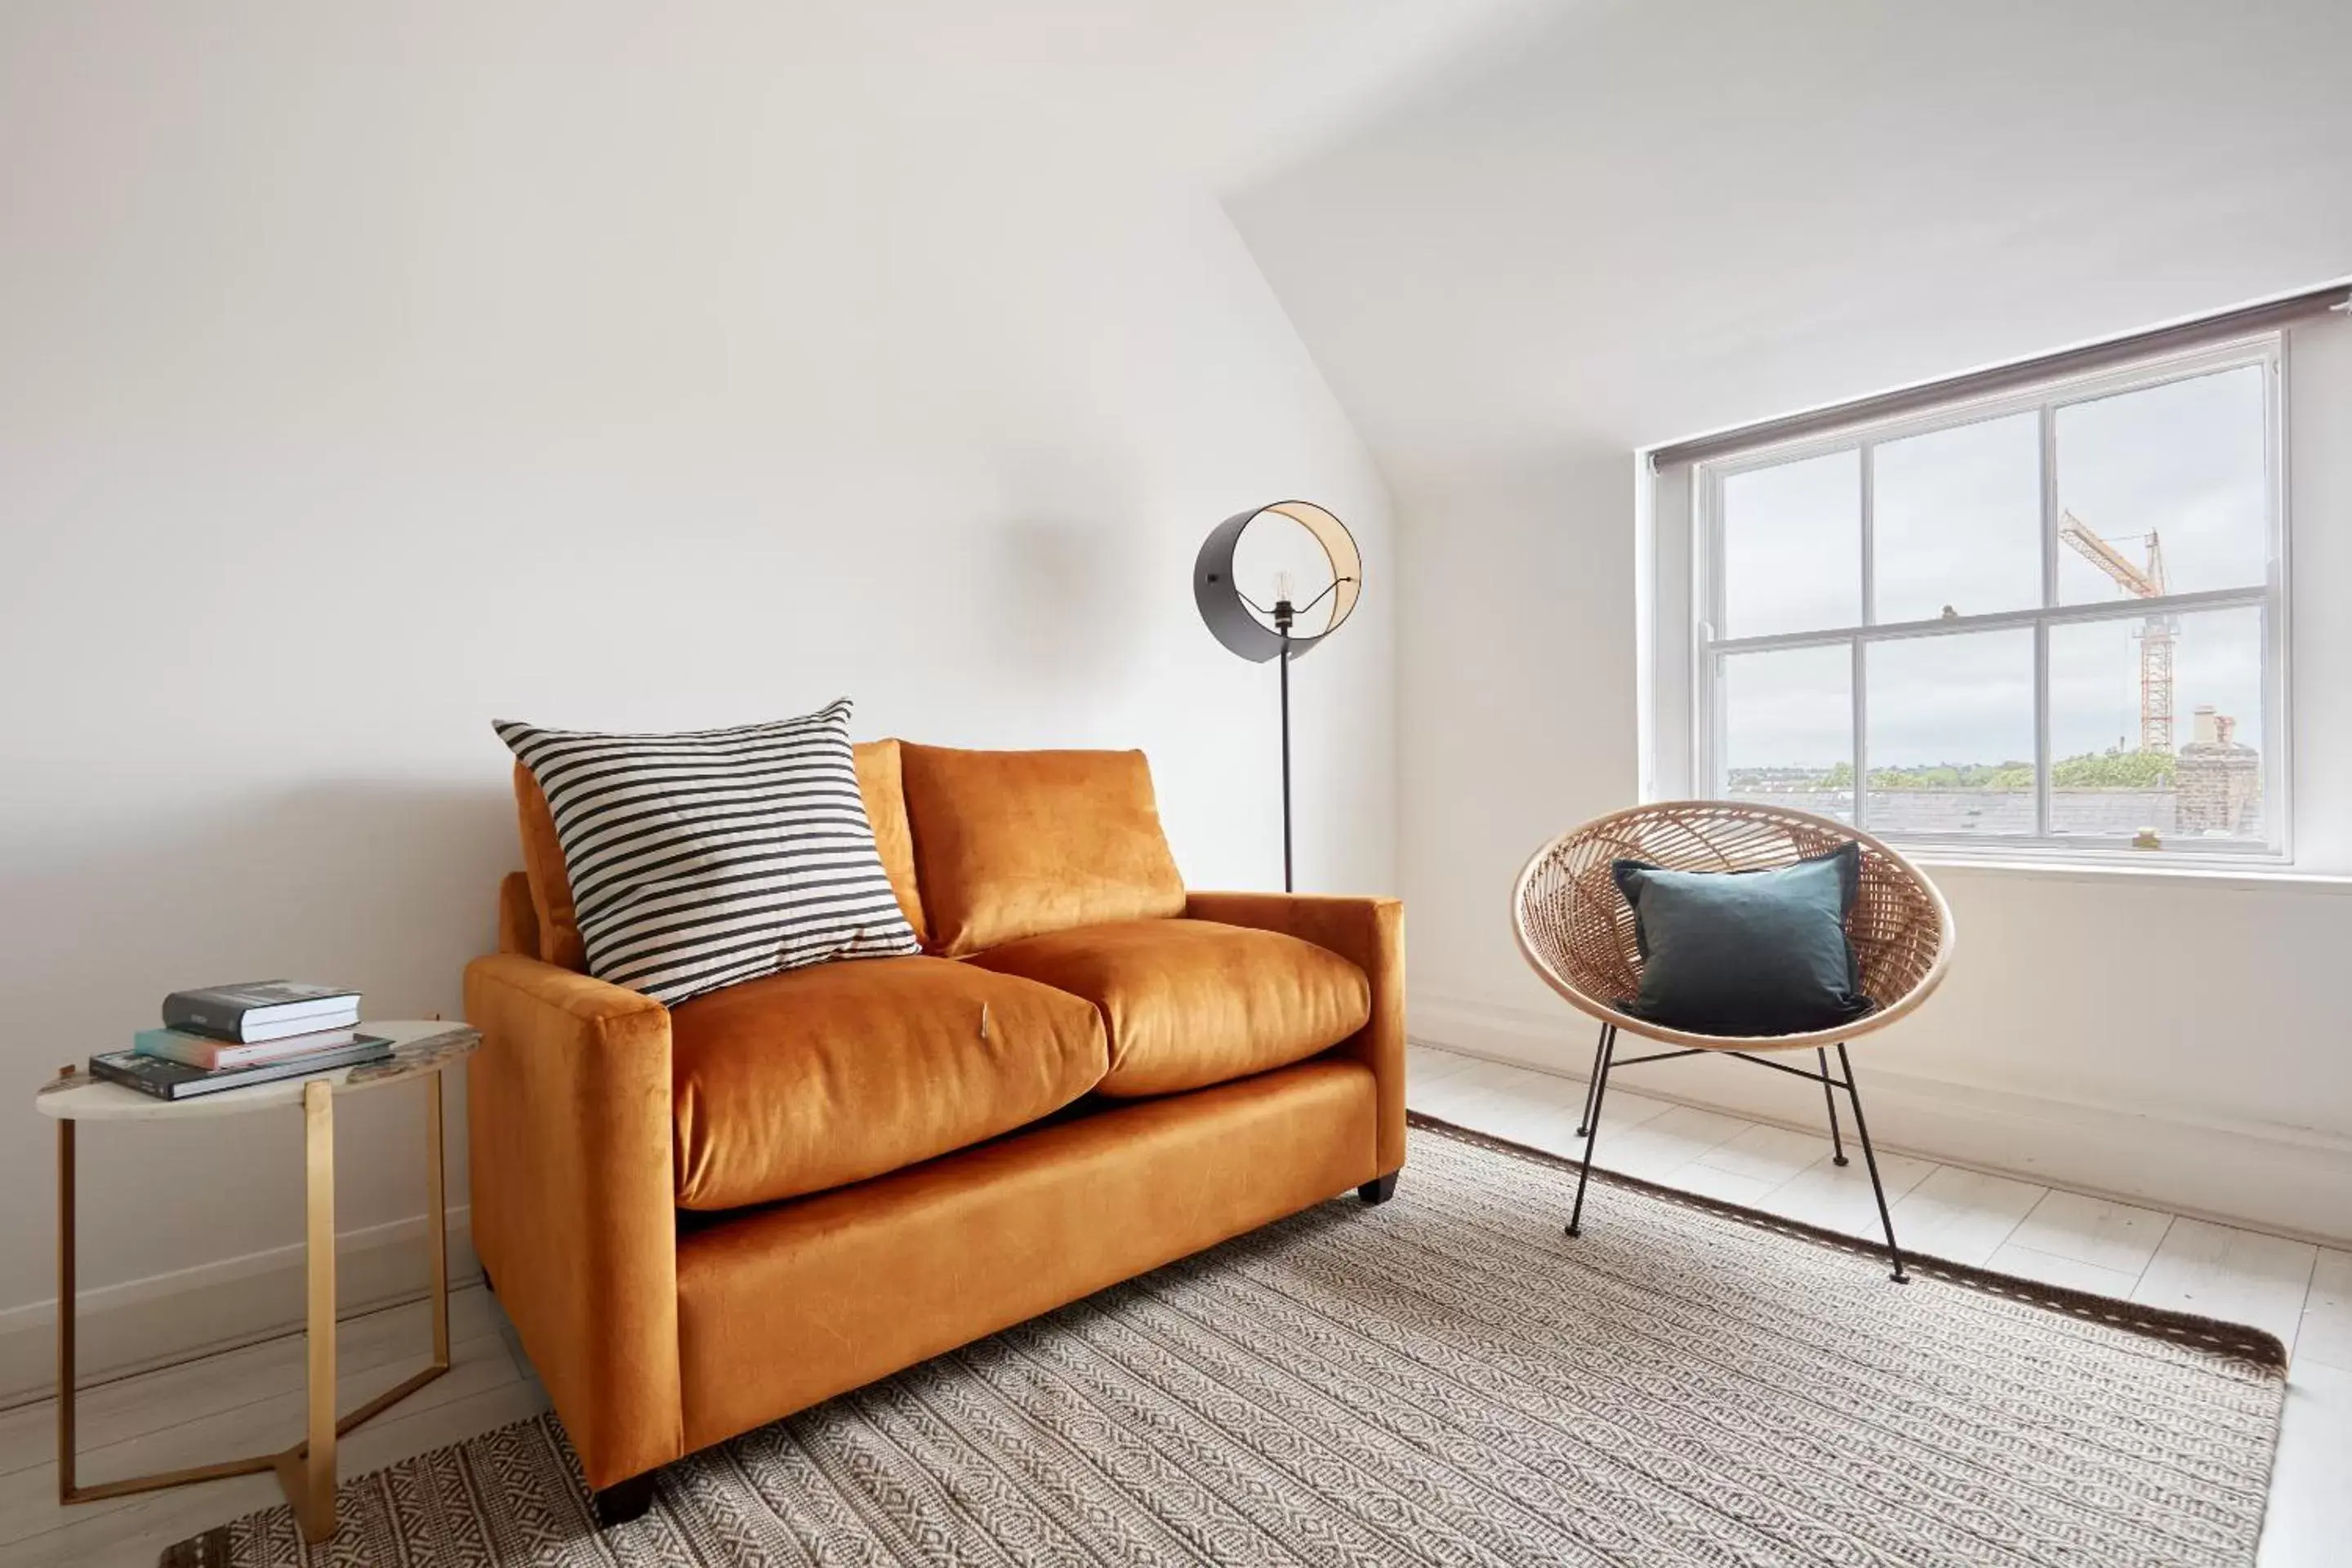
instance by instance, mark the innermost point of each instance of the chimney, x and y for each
(2219, 783)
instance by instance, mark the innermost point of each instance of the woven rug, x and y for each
(1445, 1379)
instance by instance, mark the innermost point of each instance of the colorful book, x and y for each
(252, 1011)
(204, 1052)
(178, 1081)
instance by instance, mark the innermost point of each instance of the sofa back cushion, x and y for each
(1015, 843)
(879, 781)
(560, 942)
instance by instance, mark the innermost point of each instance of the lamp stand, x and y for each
(1239, 622)
(1283, 615)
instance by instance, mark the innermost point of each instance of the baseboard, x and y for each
(139, 1324)
(2290, 1181)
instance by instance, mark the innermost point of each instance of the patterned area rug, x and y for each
(1446, 1379)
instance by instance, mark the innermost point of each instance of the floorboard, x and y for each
(2221, 1271)
(245, 1401)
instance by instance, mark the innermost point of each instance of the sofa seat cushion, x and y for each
(1189, 1003)
(820, 1076)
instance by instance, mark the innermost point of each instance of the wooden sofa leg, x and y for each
(1380, 1189)
(624, 1502)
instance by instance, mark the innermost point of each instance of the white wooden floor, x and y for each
(241, 1402)
(251, 1399)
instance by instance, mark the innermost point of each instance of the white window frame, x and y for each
(2272, 597)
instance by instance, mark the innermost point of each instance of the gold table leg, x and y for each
(311, 1466)
(307, 1470)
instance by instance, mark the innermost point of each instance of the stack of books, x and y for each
(228, 1037)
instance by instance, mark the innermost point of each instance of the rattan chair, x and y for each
(1577, 930)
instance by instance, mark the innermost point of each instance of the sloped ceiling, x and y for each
(1636, 222)
(1238, 87)
(1225, 88)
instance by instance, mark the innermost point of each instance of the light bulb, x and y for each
(1282, 586)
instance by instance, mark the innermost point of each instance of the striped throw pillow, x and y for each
(703, 859)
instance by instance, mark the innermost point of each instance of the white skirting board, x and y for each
(144, 1323)
(2281, 1179)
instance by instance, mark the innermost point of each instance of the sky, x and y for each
(1956, 517)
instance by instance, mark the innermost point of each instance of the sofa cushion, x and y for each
(823, 1076)
(880, 782)
(560, 942)
(1189, 1003)
(1013, 843)
(698, 858)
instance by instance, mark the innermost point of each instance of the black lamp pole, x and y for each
(1283, 615)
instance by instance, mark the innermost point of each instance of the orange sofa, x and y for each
(706, 1217)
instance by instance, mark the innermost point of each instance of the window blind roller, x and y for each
(2335, 297)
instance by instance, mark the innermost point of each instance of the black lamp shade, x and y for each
(1229, 617)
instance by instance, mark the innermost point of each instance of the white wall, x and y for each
(1652, 221)
(367, 372)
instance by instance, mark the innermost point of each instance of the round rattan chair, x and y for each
(1577, 930)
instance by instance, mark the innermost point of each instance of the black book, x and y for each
(256, 1010)
(178, 1081)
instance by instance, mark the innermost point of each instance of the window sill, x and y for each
(2266, 879)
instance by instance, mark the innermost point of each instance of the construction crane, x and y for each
(2156, 633)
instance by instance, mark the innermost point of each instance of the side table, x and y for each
(423, 1049)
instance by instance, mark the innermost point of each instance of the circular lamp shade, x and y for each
(1234, 618)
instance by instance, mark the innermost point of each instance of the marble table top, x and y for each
(418, 1046)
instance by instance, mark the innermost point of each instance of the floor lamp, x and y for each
(1258, 631)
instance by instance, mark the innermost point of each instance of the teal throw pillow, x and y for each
(1745, 953)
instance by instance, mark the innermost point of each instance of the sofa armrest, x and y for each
(568, 1126)
(1369, 934)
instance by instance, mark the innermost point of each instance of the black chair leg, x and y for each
(1829, 1098)
(624, 1502)
(1380, 1189)
(1592, 1082)
(1870, 1158)
(1592, 1124)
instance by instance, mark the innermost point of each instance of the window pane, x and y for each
(2173, 479)
(1951, 733)
(1787, 729)
(1792, 547)
(2119, 766)
(1957, 520)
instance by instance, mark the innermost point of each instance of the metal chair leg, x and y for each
(1591, 1082)
(1592, 1123)
(1829, 1098)
(1870, 1158)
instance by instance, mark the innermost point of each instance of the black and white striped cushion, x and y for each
(703, 858)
